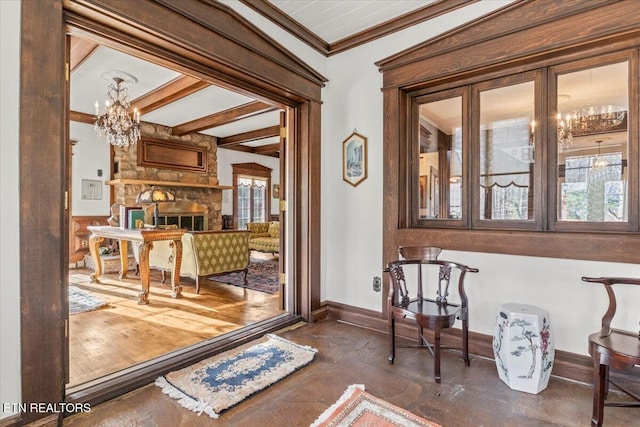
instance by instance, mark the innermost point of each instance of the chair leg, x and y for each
(197, 284)
(164, 276)
(606, 382)
(436, 355)
(465, 342)
(599, 390)
(392, 339)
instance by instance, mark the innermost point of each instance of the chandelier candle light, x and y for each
(115, 123)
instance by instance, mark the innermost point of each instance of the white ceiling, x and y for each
(334, 20)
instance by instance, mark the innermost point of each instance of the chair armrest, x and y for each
(608, 283)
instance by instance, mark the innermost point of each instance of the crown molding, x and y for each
(269, 11)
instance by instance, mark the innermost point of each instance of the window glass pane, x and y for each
(440, 170)
(259, 200)
(244, 193)
(506, 152)
(593, 144)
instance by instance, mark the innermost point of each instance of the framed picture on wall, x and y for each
(354, 159)
(91, 189)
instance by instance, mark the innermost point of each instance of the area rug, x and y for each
(220, 382)
(358, 408)
(262, 276)
(81, 301)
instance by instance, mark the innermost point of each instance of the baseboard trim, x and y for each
(567, 365)
(320, 313)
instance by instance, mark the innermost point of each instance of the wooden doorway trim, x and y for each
(159, 29)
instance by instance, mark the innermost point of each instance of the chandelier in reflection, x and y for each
(565, 137)
(590, 121)
(115, 123)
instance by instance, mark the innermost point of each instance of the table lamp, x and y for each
(155, 195)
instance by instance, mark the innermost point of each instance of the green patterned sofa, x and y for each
(264, 236)
(205, 253)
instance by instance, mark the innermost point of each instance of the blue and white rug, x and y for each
(81, 301)
(219, 382)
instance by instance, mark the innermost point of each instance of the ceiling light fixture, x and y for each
(120, 129)
(599, 162)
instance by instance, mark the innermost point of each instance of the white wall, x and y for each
(352, 217)
(228, 157)
(10, 391)
(89, 155)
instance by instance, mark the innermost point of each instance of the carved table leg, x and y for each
(175, 273)
(94, 244)
(124, 258)
(143, 296)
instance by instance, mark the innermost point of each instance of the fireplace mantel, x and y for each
(122, 181)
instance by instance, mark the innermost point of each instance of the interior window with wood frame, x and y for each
(440, 169)
(596, 154)
(570, 166)
(507, 159)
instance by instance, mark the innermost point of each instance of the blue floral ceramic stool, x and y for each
(523, 347)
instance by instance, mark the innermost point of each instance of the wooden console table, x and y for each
(146, 237)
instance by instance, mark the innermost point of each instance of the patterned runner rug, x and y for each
(358, 408)
(262, 276)
(220, 382)
(81, 301)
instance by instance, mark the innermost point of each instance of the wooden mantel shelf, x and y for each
(167, 183)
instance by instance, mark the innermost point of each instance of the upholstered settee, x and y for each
(205, 253)
(264, 236)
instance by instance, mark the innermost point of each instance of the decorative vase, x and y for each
(523, 347)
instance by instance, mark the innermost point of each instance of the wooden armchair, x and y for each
(611, 348)
(435, 314)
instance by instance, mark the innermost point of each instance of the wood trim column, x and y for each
(307, 208)
(42, 223)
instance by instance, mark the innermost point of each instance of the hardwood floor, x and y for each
(124, 334)
(467, 396)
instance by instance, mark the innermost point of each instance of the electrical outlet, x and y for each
(377, 284)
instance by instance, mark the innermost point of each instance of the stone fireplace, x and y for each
(129, 178)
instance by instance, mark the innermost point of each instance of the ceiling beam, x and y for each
(80, 50)
(265, 149)
(254, 150)
(253, 135)
(77, 116)
(170, 92)
(222, 118)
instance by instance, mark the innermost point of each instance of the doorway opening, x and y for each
(110, 334)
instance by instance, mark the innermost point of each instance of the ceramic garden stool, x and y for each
(523, 347)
